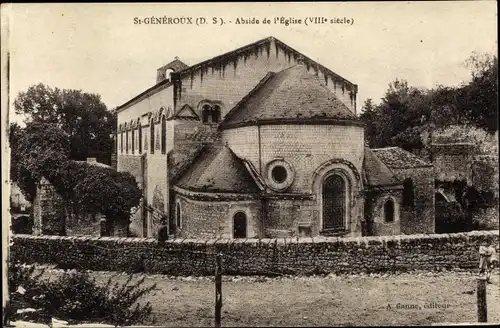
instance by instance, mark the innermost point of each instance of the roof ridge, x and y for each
(308, 61)
(200, 64)
(259, 85)
(380, 162)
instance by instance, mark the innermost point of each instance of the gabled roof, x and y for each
(397, 158)
(376, 173)
(175, 64)
(221, 60)
(186, 111)
(291, 94)
(218, 169)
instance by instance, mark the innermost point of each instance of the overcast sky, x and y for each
(97, 48)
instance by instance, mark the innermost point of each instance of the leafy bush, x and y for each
(76, 297)
(24, 286)
(450, 217)
(22, 224)
(42, 150)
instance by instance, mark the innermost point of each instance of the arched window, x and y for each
(121, 142)
(205, 113)
(408, 195)
(216, 114)
(240, 225)
(389, 211)
(178, 215)
(133, 140)
(152, 137)
(163, 134)
(140, 138)
(168, 73)
(334, 203)
(127, 141)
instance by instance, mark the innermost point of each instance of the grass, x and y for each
(318, 301)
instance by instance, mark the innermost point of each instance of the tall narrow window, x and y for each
(163, 134)
(121, 142)
(216, 114)
(133, 141)
(408, 193)
(178, 215)
(389, 211)
(140, 139)
(152, 137)
(240, 225)
(205, 113)
(126, 143)
(334, 202)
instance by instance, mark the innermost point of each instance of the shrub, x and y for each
(24, 286)
(76, 297)
(22, 224)
(450, 217)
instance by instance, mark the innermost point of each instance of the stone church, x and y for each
(264, 142)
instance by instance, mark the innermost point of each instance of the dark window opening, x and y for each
(408, 193)
(140, 139)
(133, 141)
(334, 202)
(205, 113)
(389, 211)
(126, 143)
(152, 137)
(211, 114)
(178, 215)
(279, 174)
(240, 225)
(216, 114)
(163, 134)
(121, 142)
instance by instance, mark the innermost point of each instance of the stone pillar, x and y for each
(49, 215)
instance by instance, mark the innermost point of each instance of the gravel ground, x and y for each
(417, 298)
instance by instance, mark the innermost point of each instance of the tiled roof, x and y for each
(203, 136)
(397, 158)
(249, 48)
(293, 93)
(179, 162)
(376, 172)
(218, 169)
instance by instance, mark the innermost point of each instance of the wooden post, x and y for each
(218, 290)
(482, 310)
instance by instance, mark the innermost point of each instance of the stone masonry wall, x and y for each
(257, 256)
(214, 219)
(419, 219)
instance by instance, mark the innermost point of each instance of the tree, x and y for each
(83, 116)
(15, 133)
(39, 151)
(406, 112)
(481, 93)
(43, 151)
(394, 121)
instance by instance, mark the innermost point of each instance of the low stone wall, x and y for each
(257, 257)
